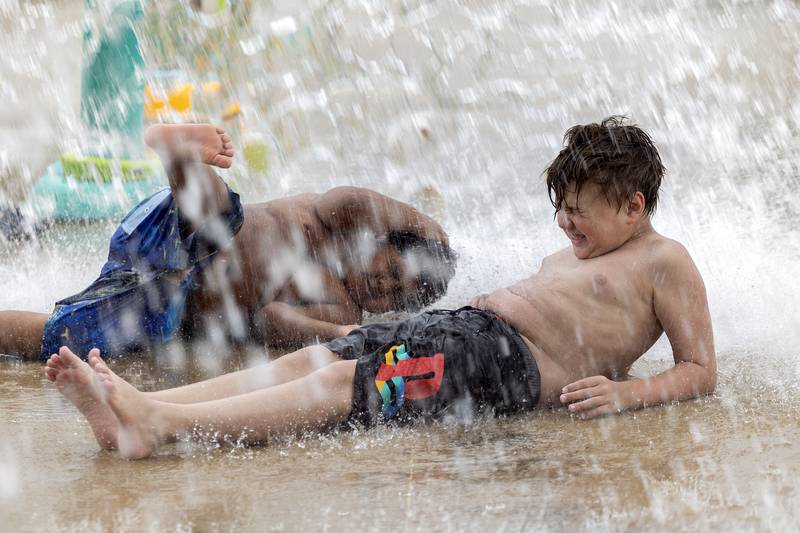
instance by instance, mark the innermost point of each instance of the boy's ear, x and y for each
(636, 205)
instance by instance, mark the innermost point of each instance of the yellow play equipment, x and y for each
(120, 94)
(182, 98)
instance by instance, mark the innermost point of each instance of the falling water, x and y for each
(469, 99)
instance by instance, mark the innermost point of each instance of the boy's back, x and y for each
(250, 271)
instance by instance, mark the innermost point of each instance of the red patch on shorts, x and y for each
(412, 370)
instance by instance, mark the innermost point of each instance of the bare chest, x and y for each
(603, 287)
(588, 290)
(591, 316)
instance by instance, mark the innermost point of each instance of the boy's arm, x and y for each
(680, 303)
(292, 325)
(346, 208)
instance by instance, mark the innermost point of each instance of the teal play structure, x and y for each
(107, 181)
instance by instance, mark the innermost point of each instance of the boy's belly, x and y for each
(552, 377)
(570, 342)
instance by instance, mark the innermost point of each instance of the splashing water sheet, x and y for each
(468, 99)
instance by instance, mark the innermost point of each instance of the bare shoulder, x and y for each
(663, 248)
(555, 258)
(343, 196)
(670, 262)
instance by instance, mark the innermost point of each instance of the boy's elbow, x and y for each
(708, 383)
(700, 381)
(711, 384)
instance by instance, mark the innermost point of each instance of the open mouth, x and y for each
(575, 238)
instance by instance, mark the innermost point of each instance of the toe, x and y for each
(94, 355)
(220, 130)
(223, 160)
(68, 357)
(226, 138)
(99, 366)
(107, 384)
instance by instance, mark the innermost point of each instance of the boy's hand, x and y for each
(479, 301)
(594, 396)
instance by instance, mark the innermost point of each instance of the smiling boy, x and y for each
(563, 336)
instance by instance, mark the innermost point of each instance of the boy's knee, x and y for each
(313, 358)
(336, 376)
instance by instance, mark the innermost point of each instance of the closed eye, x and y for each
(573, 211)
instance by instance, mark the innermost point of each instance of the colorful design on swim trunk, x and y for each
(402, 376)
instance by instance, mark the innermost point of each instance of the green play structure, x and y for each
(114, 176)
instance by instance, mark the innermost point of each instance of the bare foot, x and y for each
(191, 142)
(78, 383)
(138, 434)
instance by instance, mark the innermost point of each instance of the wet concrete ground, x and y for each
(730, 459)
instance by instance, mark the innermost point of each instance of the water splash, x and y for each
(471, 99)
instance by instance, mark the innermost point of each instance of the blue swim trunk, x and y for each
(139, 299)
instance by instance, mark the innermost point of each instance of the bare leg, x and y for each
(287, 368)
(77, 381)
(188, 153)
(21, 333)
(315, 401)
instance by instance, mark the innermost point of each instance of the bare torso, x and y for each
(262, 266)
(585, 317)
(306, 267)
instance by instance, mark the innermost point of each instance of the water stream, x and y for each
(469, 98)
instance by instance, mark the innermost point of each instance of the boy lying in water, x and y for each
(562, 336)
(191, 258)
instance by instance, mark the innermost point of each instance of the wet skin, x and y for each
(298, 270)
(585, 321)
(594, 308)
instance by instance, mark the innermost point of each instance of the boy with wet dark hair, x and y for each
(433, 267)
(620, 158)
(192, 259)
(567, 335)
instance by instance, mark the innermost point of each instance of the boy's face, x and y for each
(385, 284)
(593, 225)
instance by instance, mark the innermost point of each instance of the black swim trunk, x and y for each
(438, 364)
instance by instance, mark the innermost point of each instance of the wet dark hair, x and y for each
(437, 266)
(619, 157)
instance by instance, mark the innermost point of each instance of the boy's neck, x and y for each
(643, 227)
